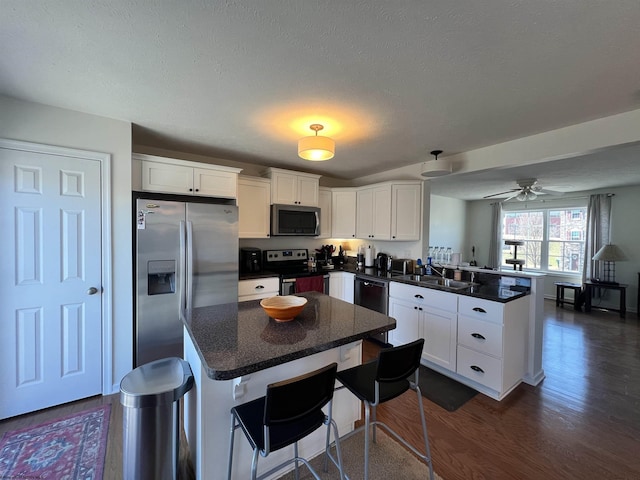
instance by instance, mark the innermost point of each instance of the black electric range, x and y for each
(291, 264)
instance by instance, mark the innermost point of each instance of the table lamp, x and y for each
(609, 254)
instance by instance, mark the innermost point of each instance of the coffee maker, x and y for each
(250, 260)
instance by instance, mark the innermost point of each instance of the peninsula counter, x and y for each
(235, 350)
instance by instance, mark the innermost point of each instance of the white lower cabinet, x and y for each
(257, 288)
(425, 313)
(492, 339)
(341, 285)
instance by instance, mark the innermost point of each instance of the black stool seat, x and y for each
(394, 372)
(291, 410)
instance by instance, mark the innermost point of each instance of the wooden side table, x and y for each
(621, 287)
(560, 300)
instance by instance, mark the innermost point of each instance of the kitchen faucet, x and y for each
(442, 272)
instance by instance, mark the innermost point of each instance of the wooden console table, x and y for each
(621, 287)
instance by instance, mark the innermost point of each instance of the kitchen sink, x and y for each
(437, 281)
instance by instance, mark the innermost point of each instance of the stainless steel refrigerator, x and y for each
(186, 257)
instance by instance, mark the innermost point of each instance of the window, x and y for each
(553, 238)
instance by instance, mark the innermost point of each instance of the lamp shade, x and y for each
(316, 148)
(436, 168)
(610, 253)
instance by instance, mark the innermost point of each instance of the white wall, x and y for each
(448, 225)
(32, 122)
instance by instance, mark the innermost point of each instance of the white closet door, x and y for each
(50, 280)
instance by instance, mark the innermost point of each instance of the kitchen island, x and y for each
(235, 350)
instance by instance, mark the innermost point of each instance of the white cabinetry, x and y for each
(168, 175)
(257, 288)
(406, 211)
(254, 200)
(293, 188)
(373, 212)
(343, 213)
(324, 202)
(425, 313)
(492, 339)
(341, 285)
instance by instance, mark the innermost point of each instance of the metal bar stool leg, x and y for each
(424, 432)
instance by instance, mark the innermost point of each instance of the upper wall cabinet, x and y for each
(324, 202)
(254, 200)
(168, 175)
(389, 211)
(293, 188)
(343, 212)
(406, 211)
(373, 217)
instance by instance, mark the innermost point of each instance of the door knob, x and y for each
(92, 291)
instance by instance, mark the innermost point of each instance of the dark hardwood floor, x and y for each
(581, 422)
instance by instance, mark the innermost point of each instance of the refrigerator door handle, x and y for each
(189, 265)
(181, 267)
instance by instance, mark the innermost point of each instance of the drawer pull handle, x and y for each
(480, 310)
(259, 287)
(419, 296)
(478, 336)
(476, 368)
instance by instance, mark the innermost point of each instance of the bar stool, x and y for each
(291, 410)
(382, 380)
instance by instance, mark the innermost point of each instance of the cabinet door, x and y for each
(364, 213)
(381, 220)
(284, 188)
(406, 212)
(343, 213)
(439, 330)
(325, 212)
(254, 198)
(166, 178)
(408, 319)
(336, 285)
(307, 188)
(349, 287)
(215, 183)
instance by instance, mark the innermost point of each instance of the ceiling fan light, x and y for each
(316, 148)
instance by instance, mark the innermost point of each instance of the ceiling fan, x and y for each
(528, 189)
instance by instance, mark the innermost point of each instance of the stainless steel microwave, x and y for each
(294, 220)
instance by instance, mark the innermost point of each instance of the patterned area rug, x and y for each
(70, 448)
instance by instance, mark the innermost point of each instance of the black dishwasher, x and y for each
(374, 295)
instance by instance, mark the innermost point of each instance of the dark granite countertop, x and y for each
(237, 339)
(489, 286)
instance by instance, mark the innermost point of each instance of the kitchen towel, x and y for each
(310, 284)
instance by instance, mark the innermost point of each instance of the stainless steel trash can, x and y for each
(150, 397)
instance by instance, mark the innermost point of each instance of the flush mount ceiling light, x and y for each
(435, 167)
(316, 148)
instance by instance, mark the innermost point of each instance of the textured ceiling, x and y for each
(391, 80)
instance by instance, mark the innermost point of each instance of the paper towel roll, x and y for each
(368, 257)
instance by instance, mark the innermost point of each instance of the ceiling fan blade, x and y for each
(502, 193)
(512, 196)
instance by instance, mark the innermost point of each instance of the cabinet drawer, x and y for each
(480, 368)
(425, 296)
(259, 286)
(485, 337)
(481, 309)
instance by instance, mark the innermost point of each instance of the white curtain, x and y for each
(598, 233)
(495, 245)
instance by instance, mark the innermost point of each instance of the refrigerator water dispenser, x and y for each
(161, 277)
